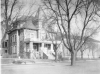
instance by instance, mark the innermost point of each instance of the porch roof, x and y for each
(41, 41)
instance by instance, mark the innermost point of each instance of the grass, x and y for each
(81, 67)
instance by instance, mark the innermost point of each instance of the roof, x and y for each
(25, 22)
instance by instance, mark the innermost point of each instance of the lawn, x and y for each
(81, 67)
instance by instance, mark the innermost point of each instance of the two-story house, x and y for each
(26, 40)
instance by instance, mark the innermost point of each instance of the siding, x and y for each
(30, 34)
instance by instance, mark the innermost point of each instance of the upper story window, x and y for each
(33, 34)
(5, 44)
(13, 38)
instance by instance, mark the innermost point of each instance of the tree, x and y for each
(56, 42)
(91, 46)
(83, 49)
(12, 10)
(64, 13)
(7, 10)
(52, 34)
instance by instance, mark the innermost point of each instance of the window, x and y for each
(11, 39)
(5, 44)
(47, 46)
(27, 47)
(5, 51)
(14, 49)
(35, 46)
(15, 38)
(33, 35)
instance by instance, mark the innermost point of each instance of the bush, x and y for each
(18, 62)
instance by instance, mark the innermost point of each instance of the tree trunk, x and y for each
(55, 50)
(93, 54)
(56, 56)
(81, 54)
(73, 58)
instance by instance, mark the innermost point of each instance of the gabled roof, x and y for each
(29, 25)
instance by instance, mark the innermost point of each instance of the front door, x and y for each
(36, 50)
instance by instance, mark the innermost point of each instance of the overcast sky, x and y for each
(35, 7)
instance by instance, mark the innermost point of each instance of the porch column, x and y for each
(52, 47)
(42, 45)
(42, 50)
(31, 46)
(31, 49)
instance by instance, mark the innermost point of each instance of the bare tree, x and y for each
(11, 10)
(91, 46)
(7, 10)
(56, 42)
(65, 11)
(52, 34)
(83, 49)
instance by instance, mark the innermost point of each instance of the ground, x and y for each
(81, 67)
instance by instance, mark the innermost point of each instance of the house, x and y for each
(27, 40)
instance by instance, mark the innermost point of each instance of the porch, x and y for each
(39, 50)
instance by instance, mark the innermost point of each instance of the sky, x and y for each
(38, 2)
(35, 7)
(76, 27)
